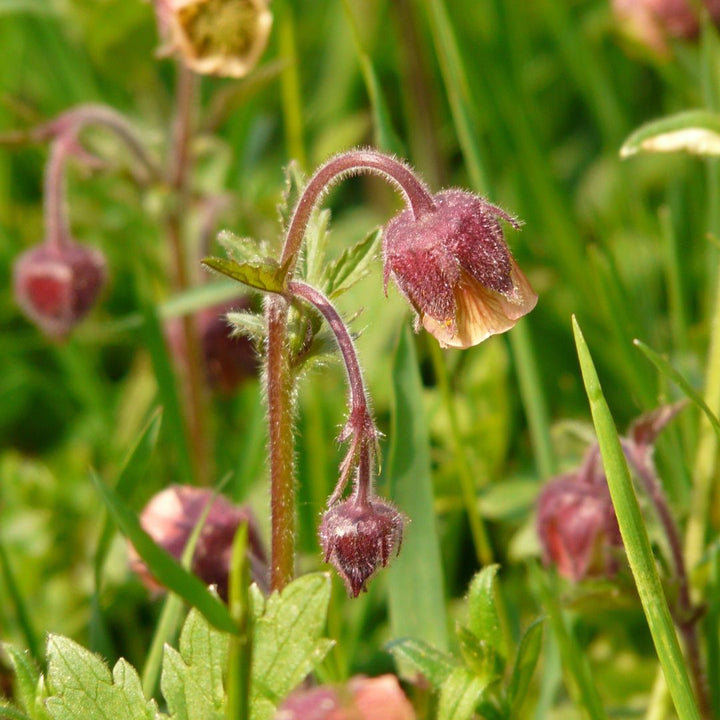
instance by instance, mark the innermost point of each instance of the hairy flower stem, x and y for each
(360, 427)
(686, 615)
(57, 223)
(179, 173)
(279, 378)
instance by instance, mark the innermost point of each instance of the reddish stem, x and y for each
(57, 223)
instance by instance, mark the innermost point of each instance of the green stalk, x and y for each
(481, 542)
(290, 86)
(635, 539)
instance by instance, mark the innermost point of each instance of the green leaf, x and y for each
(162, 565)
(82, 687)
(483, 618)
(287, 641)
(672, 374)
(635, 538)
(262, 274)
(27, 677)
(525, 661)
(241, 249)
(417, 598)
(435, 665)
(352, 265)
(35, 7)
(459, 695)
(692, 131)
(295, 182)
(249, 324)
(9, 711)
(480, 657)
(192, 679)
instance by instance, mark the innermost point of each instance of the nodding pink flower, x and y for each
(170, 518)
(56, 285)
(653, 22)
(576, 522)
(215, 37)
(453, 265)
(359, 537)
(379, 698)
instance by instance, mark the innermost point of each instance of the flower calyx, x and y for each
(453, 265)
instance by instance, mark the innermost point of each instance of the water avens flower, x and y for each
(170, 518)
(57, 285)
(215, 37)
(453, 265)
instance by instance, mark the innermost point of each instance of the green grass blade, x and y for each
(417, 602)
(163, 567)
(672, 374)
(635, 539)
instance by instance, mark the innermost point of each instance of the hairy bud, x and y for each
(454, 267)
(576, 523)
(56, 286)
(170, 518)
(358, 538)
(216, 37)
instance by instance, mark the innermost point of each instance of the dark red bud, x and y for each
(577, 526)
(57, 286)
(229, 359)
(454, 267)
(170, 518)
(359, 538)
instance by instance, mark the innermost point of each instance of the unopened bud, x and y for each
(170, 518)
(576, 523)
(358, 538)
(454, 267)
(56, 286)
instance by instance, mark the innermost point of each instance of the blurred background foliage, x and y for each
(622, 244)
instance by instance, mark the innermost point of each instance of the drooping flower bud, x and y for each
(576, 523)
(652, 23)
(379, 698)
(170, 518)
(215, 37)
(453, 265)
(358, 538)
(229, 359)
(57, 285)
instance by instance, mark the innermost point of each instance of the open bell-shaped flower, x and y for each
(453, 265)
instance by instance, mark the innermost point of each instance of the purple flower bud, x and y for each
(358, 538)
(229, 360)
(215, 37)
(170, 518)
(576, 523)
(56, 286)
(454, 267)
(652, 22)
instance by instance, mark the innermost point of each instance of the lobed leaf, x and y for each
(524, 667)
(27, 676)
(262, 273)
(483, 620)
(352, 265)
(83, 688)
(434, 664)
(459, 695)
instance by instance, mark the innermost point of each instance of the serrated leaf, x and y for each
(288, 643)
(483, 618)
(692, 131)
(352, 265)
(524, 666)
(83, 688)
(459, 695)
(250, 325)
(27, 676)
(240, 249)
(434, 664)
(295, 182)
(481, 657)
(317, 237)
(192, 679)
(262, 273)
